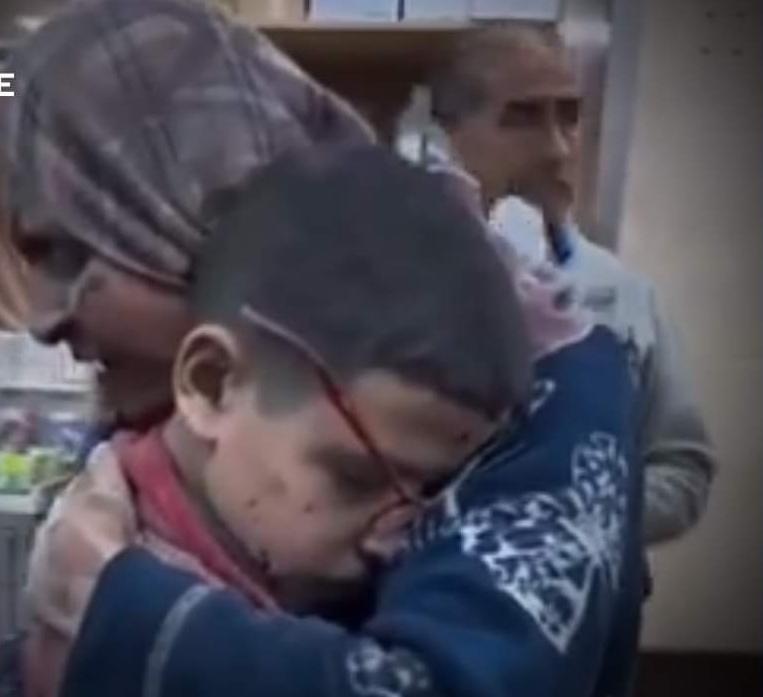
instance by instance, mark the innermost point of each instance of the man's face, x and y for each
(302, 492)
(524, 140)
(127, 326)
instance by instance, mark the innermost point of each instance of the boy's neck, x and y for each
(190, 457)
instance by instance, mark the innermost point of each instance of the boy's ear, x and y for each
(208, 367)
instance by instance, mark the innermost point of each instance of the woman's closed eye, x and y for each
(62, 258)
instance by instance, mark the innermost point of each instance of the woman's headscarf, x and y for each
(13, 293)
(130, 114)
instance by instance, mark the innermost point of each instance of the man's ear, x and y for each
(386, 534)
(208, 367)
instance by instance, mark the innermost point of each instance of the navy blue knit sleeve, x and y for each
(527, 578)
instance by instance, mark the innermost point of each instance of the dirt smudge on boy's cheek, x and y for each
(275, 486)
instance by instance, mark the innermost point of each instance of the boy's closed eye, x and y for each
(359, 476)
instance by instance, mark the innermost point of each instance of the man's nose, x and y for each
(558, 141)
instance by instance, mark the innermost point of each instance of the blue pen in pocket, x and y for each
(559, 241)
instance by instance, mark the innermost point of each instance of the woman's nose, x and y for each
(50, 315)
(50, 328)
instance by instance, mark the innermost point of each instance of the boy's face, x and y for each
(301, 491)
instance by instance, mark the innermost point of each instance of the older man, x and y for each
(508, 110)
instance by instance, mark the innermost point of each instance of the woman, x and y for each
(128, 119)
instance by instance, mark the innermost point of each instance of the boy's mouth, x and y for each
(332, 599)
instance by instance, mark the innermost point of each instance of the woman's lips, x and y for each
(107, 373)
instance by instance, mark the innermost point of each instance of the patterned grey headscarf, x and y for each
(130, 114)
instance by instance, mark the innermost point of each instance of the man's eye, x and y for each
(521, 114)
(62, 259)
(568, 112)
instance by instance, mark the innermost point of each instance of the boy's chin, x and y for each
(344, 601)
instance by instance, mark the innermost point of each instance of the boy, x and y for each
(520, 578)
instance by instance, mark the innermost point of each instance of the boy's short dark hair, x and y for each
(375, 265)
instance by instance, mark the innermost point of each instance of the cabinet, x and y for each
(374, 66)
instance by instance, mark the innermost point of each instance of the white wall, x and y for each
(693, 221)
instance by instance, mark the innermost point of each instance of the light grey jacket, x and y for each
(678, 456)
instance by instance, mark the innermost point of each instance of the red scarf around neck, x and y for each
(165, 509)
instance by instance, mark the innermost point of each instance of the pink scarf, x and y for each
(128, 494)
(166, 515)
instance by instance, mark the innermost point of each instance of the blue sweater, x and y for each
(525, 580)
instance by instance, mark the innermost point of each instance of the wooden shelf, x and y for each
(402, 26)
(372, 64)
(320, 46)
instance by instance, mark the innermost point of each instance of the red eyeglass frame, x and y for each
(337, 396)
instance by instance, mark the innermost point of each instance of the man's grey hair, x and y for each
(459, 86)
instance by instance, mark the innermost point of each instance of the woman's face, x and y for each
(127, 326)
